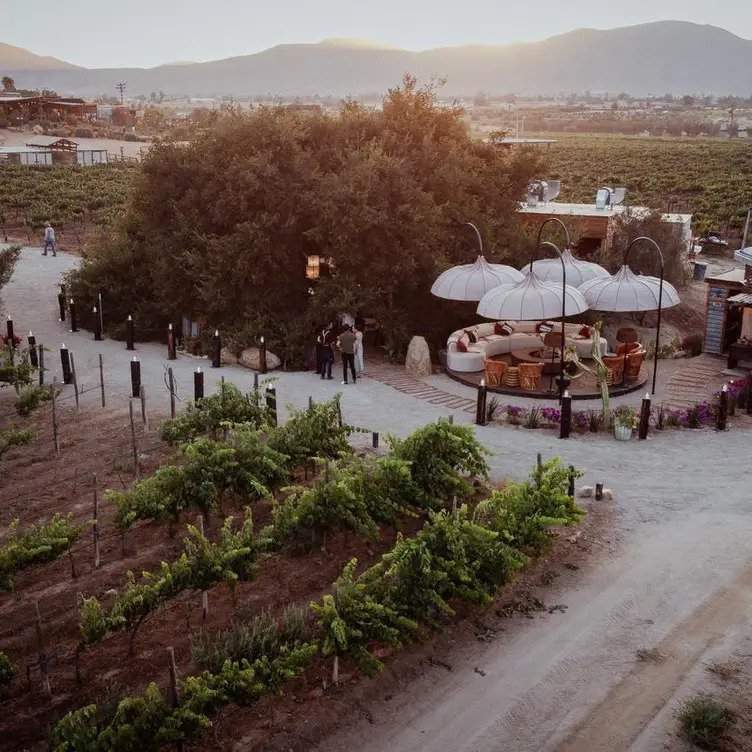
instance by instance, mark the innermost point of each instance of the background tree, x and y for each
(8, 84)
(220, 229)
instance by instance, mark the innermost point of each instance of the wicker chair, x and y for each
(530, 376)
(512, 376)
(634, 364)
(615, 364)
(495, 372)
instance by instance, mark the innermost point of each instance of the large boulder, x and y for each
(418, 360)
(251, 358)
(228, 357)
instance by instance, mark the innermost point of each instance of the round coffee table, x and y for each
(548, 357)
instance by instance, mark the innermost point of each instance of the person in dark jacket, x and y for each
(330, 339)
(346, 344)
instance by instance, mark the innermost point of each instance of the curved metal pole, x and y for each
(549, 244)
(660, 297)
(557, 221)
(480, 239)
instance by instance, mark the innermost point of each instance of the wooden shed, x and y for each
(728, 318)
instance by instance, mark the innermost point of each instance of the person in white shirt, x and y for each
(359, 365)
(49, 239)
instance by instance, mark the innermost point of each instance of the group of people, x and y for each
(347, 337)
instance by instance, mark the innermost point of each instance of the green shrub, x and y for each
(352, 618)
(704, 721)
(440, 454)
(202, 565)
(230, 405)
(6, 671)
(15, 367)
(263, 635)
(30, 397)
(451, 557)
(14, 437)
(39, 543)
(315, 432)
(521, 513)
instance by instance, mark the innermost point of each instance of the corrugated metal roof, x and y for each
(743, 298)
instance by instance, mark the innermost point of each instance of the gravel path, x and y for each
(678, 576)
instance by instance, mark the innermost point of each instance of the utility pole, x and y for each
(121, 88)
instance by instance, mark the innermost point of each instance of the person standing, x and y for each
(330, 339)
(49, 239)
(320, 350)
(359, 364)
(347, 342)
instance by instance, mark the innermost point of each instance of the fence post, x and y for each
(565, 420)
(198, 385)
(11, 336)
(174, 695)
(33, 350)
(53, 397)
(101, 378)
(216, 349)
(135, 377)
(171, 381)
(133, 438)
(375, 440)
(75, 379)
(129, 333)
(73, 316)
(570, 490)
(480, 404)
(142, 395)
(271, 402)
(644, 417)
(255, 381)
(101, 313)
(204, 593)
(65, 364)
(41, 364)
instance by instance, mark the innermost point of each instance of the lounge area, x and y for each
(523, 358)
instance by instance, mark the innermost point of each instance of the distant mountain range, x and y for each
(654, 58)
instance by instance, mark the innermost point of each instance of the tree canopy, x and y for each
(220, 228)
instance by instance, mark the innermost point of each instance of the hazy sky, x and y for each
(99, 33)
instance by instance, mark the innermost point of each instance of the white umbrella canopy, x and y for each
(470, 282)
(627, 291)
(532, 299)
(578, 271)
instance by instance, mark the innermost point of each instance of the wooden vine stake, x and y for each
(133, 438)
(174, 694)
(204, 593)
(95, 525)
(53, 397)
(335, 671)
(43, 659)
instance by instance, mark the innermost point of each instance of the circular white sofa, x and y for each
(523, 337)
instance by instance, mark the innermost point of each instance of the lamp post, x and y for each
(553, 246)
(656, 247)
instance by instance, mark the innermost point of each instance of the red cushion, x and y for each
(472, 336)
(503, 329)
(461, 346)
(585, 331)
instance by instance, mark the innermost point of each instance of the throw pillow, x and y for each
(503, 328)
(585, 331)
(472, 334)
(461, 345)
(544, 327)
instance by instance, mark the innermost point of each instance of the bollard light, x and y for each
(722, 409)
(481, 417)
(171, 349)
(11, 340)
(97, 325)
(135, 377)
(644, 417)
(73, 316)
(198, 385)
(262, 355)
(33, 359)
(565, 416)
(732, 399)
(66, 365)
(216, 350)
(129, 334)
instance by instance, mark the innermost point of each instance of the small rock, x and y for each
(251, 358)
(585, 492)
(228, 357)
(479, 671)
(418, 360)
(608, 494)
(574, 538)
